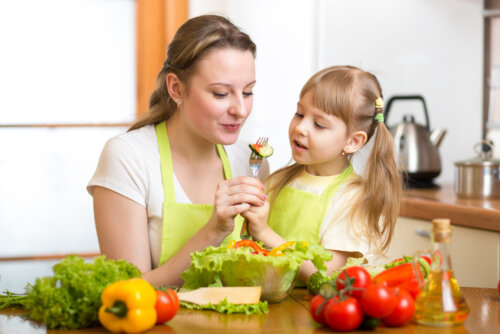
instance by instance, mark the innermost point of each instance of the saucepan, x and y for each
(478, 177)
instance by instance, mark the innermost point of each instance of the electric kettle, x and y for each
(415, 146)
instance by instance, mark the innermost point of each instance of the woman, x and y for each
(168, 187)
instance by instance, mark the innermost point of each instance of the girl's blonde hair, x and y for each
(195, 38)
(349, 93)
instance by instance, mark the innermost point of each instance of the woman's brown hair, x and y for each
(350, 93)
(192, 40)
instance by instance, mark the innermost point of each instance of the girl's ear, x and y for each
(175, 87)
(355, 141)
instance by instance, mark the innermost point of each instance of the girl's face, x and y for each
(317, 139)
(219, 98)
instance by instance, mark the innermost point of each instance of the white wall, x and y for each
(427, 47)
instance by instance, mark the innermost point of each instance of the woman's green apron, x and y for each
(297, 215)
(182, 220)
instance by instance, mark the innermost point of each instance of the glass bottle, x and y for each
(440, 302)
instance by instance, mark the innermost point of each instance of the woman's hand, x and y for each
(233, 197)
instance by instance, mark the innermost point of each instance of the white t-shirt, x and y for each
(130, 165)
(337, 231)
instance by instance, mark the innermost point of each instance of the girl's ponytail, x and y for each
(381, 185)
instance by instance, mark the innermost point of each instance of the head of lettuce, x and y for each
(229, 266)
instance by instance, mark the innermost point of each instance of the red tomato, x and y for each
(167, 305)
(362, 280)
(316, 303)
(499, 285)
(404, 310)
(378, 301)
(345, 315)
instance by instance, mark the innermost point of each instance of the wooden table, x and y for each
(289, 316)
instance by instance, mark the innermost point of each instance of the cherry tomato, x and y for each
(362, 280)
(316, 303)
(343, 315)
(404, 310)
(378, 301)
(167, 305)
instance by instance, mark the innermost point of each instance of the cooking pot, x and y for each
(478, 177)
(415, 146)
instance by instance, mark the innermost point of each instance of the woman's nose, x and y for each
(239, 108)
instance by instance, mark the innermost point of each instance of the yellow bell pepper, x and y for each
(128, 306)
(278, 251)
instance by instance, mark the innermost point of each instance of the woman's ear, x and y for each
(355, 141)
(175, 87)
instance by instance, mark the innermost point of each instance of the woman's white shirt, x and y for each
(130, 165)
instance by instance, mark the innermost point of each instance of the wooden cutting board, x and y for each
(215, 295)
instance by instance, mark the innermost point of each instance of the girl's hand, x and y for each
(233, 197)
(257, 220)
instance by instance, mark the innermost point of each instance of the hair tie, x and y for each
(379, 117)
(379, 103)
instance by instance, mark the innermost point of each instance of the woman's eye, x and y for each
(219, 95)
(247, 94)
(319, 126)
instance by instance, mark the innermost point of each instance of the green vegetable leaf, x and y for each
(70, 298)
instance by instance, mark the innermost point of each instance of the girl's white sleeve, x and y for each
(121, 169)
(338, 231)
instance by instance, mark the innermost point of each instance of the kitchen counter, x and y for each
(290, 316)
(442, 202)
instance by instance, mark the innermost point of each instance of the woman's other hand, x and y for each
(234, 197)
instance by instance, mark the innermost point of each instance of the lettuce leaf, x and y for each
(226, 307)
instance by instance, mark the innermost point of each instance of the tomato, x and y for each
(404, 310)
(343, 315)
(316, 303)
(499, 285)
(362, 280)
(167, 305)
(378, 301)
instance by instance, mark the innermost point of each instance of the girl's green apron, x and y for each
(182, 220)
(297, 215)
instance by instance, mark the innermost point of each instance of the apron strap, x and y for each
(167, 171)
(225, 162)
(330, 191)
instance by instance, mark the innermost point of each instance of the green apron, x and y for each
(297, 215)
(182, 220)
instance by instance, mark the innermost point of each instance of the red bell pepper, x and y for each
(402, 276)
(251, 244)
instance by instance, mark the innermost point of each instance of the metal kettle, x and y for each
(415, 146)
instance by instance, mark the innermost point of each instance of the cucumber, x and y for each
(262, 150)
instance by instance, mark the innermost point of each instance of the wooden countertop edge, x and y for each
(467, 216)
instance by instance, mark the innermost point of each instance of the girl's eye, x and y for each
(219, 95)
(299, 115)
(319, 126)
(247, 94)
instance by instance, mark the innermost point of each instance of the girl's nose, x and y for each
(301, 128)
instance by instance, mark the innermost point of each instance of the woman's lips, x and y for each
(232, 127)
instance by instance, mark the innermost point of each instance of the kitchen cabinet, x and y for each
(475, 243)
(475, 253)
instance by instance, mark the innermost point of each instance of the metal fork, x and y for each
(255, 162)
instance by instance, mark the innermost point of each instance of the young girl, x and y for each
(319, 199)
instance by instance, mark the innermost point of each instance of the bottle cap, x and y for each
(441, 229)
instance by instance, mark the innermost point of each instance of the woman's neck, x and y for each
(187, 144)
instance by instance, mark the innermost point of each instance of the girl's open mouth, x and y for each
(299, 145)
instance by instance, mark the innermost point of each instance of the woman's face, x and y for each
(317, 138)
(219, 97)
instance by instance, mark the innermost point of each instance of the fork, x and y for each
(255, 162)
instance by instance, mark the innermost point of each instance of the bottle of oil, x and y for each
(440, 302)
